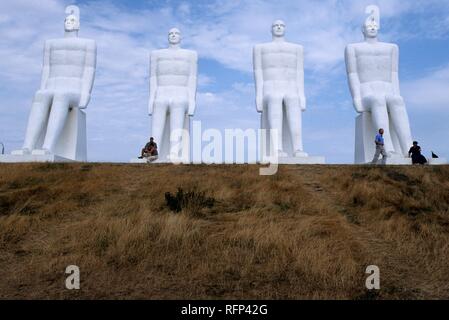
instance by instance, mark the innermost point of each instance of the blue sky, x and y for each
(223, 33)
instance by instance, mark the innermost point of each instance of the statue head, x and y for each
(72, 21)
(174, 36)
(278, 28)
(371, 26)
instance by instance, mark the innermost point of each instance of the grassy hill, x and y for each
(307, 232)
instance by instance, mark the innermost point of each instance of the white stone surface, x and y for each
(373, 75)
(280, 98)
(279, 78)
(298, 160)
(10, 158)
(364, 139)
(438, 161)
(145, 161)
(57, 124)
(137, 161)
(173, 85)
(397, 161)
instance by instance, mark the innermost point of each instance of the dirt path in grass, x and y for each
(395, 265)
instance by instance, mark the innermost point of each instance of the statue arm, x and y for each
(395, 71)
(193, 83)
(300, 79)
(46, 68)
(88, 75)
(353, 78)
(153, 83)
(258, 76)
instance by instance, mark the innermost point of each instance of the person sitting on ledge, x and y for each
(150, 150)
(415, 153)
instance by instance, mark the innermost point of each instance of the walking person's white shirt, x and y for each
(173, 85)
(56, 123)
(373, 74)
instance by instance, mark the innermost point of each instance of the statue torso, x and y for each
(374, 62)
(173, 67)
(280, 62)
(67, 63)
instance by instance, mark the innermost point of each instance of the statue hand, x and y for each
(84, 101)
(191, 109)
(358, 105)
(150, 108)
(259, 104)
(302, 103)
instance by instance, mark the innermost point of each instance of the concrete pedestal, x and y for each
(10, 158)
(143, 161)
(298, 160)
(438, 162)
(158, 161)
(396, 161)
(71, 145)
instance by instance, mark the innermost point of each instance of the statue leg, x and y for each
(177, 116)
(379, 113)
(158, 122)
(275, 118)
(58, 116)
(38, 117)
(294, 118)
(401, 123)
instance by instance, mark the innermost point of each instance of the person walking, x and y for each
(380, 148)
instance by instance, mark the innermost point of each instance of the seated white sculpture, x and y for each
(173, 85)
(373, 74)
(57, 124)
(279, 77)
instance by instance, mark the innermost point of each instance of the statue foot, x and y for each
(41, 152)
(300, 154)
(21, 152)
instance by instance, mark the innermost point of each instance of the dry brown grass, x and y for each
(306, 233)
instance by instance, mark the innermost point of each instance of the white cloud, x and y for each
(224, 32)
(205, 80)
(430, 92)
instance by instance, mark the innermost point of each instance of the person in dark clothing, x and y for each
(150, 149)
(415, 153)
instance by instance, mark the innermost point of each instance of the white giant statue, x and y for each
(57, 124)
(173, 85)
(279, 76)
(373, 74)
